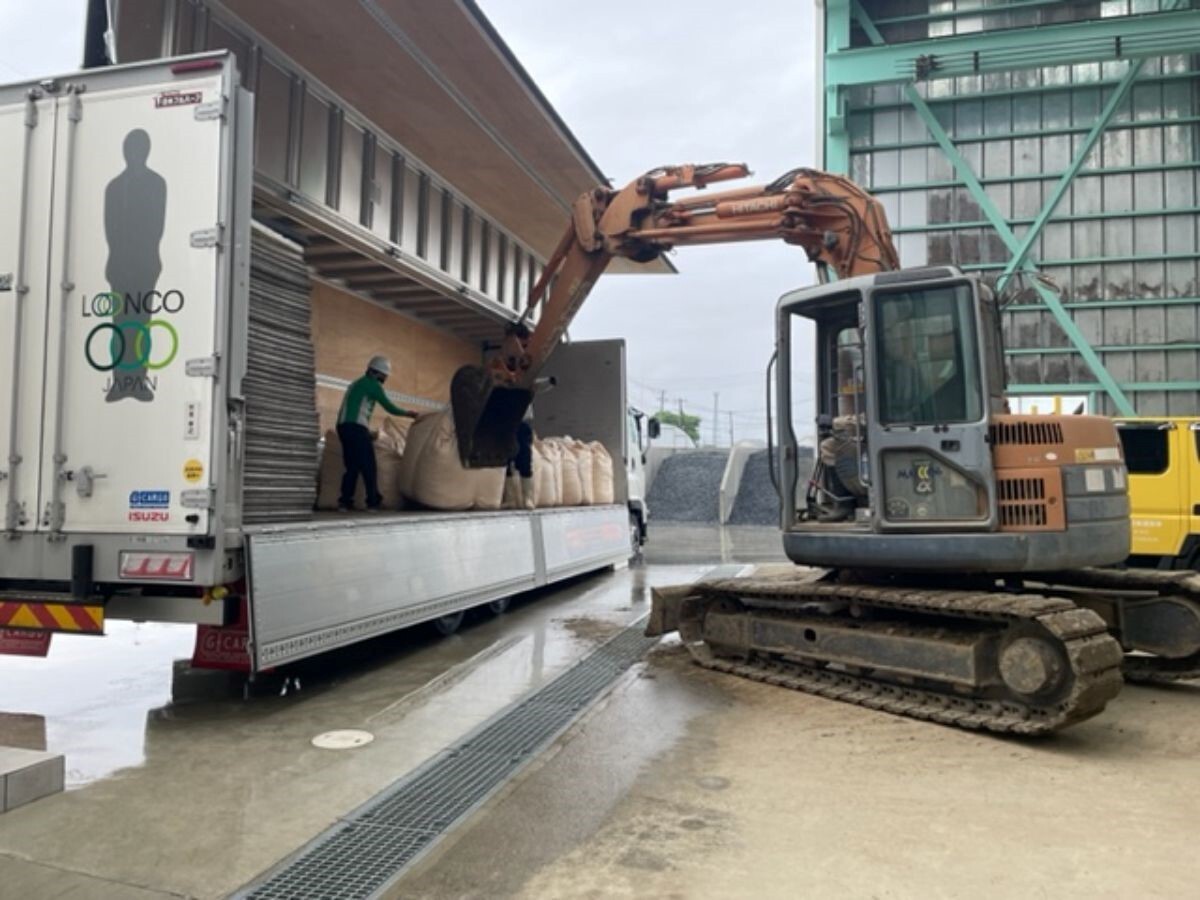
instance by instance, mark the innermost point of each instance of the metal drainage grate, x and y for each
(371, 846)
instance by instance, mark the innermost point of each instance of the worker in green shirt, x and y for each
(358, 454)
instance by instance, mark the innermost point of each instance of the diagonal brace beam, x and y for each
(1120, 92)
(992, 214)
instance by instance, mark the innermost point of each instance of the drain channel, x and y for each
(372, 846)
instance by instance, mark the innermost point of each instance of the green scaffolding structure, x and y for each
(1051, 146)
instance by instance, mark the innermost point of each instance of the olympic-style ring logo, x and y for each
(143, 343)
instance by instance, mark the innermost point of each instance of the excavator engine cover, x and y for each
(486, 417)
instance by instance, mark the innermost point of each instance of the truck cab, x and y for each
(641, 430)
(1163, 458)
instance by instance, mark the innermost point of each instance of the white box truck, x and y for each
(159, 423)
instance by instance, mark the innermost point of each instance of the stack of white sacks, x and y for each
(419, 465)
(567, 472)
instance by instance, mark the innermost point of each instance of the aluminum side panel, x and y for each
(578, 540)
(316, 589)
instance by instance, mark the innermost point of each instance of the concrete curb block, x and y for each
(28, 775)
(731, 481)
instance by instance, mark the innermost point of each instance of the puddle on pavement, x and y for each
(678, 543)
(89, 698)
(94, 699)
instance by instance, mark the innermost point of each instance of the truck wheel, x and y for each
(635, 535)
(447, 625)
(499, 607)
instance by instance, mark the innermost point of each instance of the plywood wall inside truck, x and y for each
(348, 331)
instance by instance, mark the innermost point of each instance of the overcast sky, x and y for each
(647, 84)
(641, 85)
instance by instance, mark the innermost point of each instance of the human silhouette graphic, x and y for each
(135, 209)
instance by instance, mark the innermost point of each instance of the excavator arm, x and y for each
(837, 223)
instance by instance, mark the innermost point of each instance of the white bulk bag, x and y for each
(603, 487)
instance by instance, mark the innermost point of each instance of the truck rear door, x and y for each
(136, 299)
(27, 131)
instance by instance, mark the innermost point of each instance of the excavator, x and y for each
(954, 562)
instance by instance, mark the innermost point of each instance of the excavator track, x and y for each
(1182, 586)
(1158, 670)
(1091, 678)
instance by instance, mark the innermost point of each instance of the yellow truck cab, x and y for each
(1163, 458)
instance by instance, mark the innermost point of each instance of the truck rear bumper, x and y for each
(48, 613)
(35, 557)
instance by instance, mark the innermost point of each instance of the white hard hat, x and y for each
(380, 364)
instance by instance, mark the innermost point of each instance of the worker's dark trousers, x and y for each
(358, 454)
(523, 461)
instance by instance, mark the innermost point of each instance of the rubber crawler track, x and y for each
(1094, 657)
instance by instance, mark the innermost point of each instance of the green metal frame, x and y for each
(1100, 40)
(1127, 303)
(1019, 249)
(1081, 387)
(1116, 98)
(1037, 176)
(1040, 133)
(1029, 351)
(1055, 220)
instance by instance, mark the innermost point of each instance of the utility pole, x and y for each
(716, 414)
(662, 401)
(730, 428)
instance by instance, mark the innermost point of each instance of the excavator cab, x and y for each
(918, 465)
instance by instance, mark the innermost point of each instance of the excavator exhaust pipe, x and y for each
(486, 417)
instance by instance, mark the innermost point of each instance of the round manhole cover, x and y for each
(345, 739)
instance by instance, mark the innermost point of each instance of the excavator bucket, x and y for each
(486, 417)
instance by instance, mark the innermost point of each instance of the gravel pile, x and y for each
(756, 502)
(687, 487)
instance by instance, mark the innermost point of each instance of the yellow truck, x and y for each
(1163, 458)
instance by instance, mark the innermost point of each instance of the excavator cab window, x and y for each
(927, 362)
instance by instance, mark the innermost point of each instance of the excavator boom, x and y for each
(837, 223)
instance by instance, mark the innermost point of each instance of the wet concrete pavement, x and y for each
(682, 783)
(748, 790)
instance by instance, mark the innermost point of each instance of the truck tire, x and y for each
(447, 625)
(499, 607)
(635, 535)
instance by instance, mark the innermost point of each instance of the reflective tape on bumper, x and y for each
(77, 618)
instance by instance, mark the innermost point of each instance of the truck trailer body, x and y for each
(156, 438)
